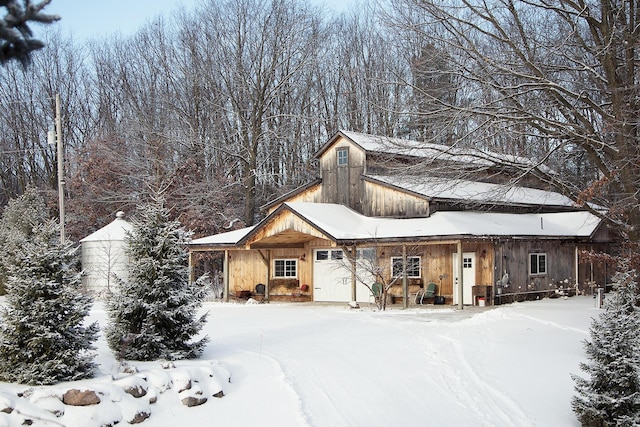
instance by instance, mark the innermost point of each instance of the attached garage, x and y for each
(332, 279)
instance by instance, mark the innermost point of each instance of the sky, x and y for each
(320, 365)
(86, 19)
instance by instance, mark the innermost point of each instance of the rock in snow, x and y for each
(110, 400)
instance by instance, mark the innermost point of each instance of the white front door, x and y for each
(332, 277)
(468, 277)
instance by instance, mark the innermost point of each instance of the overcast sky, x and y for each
(86, 19)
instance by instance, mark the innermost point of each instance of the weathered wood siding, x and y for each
(281, 230)
(343, 184)
(512, 257)
(381, 200)
(311, 195)
(437, 265)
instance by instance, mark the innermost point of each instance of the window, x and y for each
(343, 156)
(322, 255)
(285, 267)
(537, 263)
(368, 254)
(413, 266)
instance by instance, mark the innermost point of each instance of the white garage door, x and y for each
(332, 277)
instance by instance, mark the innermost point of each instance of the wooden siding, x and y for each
(284, 229)
(311, 195)
(343, 184)
(437, 265)
(381, 200)
(512, 257)
(246, 270)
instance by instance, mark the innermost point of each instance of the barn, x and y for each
(104, 256)
(471, 235)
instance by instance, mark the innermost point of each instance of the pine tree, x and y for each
(16, 41)
(19, 218)
(611, 396)
(153, 314)
(43, 339)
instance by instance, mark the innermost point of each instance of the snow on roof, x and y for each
(343, 223)
(115, 230)
(458, 189)
(382, 144)
(228, 238)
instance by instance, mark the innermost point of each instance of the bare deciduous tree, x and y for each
(554, 80)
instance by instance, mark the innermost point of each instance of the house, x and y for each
(390, 211)
(103, 255)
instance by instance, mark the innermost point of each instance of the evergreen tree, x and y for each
(611, 396)
(16, 41)
(43, 339)
(153, 314)
(19, 218)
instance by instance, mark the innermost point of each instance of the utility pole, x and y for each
(57, 139)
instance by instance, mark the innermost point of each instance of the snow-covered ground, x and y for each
(329, 365)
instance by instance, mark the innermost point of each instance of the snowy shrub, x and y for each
(42, 336)
(611, 394)
(153, 314)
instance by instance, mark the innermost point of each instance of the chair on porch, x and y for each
(259, 292)
(428, 292)
(376, 292)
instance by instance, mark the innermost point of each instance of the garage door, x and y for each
(332, 277)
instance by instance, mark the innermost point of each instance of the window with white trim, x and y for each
(285, 268)
(537, 264)
(343, 156)
(413, 266)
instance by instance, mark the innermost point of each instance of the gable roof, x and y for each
(411, 148)
(474, 191)
(342, 224)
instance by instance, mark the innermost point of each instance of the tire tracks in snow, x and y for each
(459, 379)
(491, 406)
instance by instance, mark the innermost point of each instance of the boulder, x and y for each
(6, 402)
(134, 385)
(193, 400)
(140, 417)
(75, 397)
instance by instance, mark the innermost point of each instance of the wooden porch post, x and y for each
(266, 287)
(577, 267)
(405, 285)
(267, 262)
(225, 275)
(191, 272)
(460, 279)
(353, 272)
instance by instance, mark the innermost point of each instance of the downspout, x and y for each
(405, 286)
(460, 279)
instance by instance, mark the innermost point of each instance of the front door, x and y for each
(468, 277)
